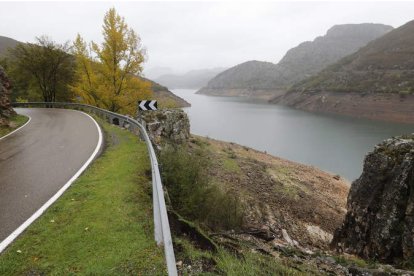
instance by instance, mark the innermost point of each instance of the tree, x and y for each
(108, 75)
(44, 68)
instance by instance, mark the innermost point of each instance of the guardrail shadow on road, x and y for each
(162, 231)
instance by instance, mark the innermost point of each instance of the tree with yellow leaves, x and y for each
(108, 74)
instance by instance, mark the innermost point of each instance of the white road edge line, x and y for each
(6, 242)
(8, 134)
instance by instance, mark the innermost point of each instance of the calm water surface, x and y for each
(335, 144)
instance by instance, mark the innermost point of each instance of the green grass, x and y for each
(16, 121)
(231, 165)
(290, 186)
(226, 263)
(354, 261)
(102, 225)
(254, 264)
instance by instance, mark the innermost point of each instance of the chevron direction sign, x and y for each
(147, 105)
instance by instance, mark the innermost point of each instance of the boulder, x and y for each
(6, 111)
(167, 125)
(379, 223)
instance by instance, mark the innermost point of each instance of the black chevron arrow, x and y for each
(147, 105)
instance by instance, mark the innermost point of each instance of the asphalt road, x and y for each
(37, 160)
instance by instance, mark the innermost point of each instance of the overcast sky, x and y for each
(195, 35)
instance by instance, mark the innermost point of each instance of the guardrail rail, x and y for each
(162, 231)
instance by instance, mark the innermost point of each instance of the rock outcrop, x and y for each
(6, 111)
(167, 125)
(380, 218)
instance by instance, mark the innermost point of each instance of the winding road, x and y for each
(39, 159)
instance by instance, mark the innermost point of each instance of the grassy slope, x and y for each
(15, 122)
(230, 168)
(248, 263)
(306, 187)
(101, 226)
(287, 189)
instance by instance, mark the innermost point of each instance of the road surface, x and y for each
(37, 160)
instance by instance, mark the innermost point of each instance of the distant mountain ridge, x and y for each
(384, 65)
(375, 82)
(193, 79)
(308, 58)
(250, 74)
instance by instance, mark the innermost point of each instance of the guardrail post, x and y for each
(156, 212)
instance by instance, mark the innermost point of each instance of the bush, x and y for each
(191, 192)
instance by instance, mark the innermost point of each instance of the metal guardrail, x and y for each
(162, 231)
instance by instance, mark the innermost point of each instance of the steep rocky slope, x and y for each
(265, 79)
(375, 82)
(310, 58)
(284, 199)
(380, 219)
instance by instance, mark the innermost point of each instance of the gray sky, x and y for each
(194, 35)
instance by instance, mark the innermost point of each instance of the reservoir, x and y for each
(333, 143)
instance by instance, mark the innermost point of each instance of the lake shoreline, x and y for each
(385, 107)
(333, 143)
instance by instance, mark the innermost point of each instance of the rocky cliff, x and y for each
(379, 223)
(5, 108)
(169, 125)
(376, 82)
(265, 79)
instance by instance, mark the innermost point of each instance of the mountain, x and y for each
(376, 82)
(194, 79)
(255, 79)
(5, 43)
(165, 97)
(157, 71)
(265, 79)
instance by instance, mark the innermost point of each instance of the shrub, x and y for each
(191, 192)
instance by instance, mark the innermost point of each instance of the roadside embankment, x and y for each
(100, 225)
(14, 123)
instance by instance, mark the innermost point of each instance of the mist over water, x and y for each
(333, 143)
